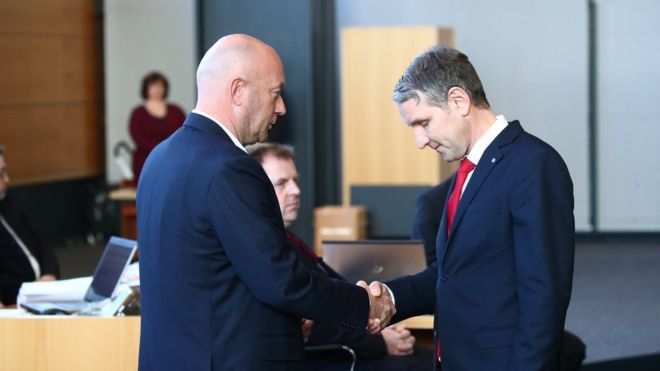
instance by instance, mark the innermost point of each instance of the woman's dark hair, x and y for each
(153, 77)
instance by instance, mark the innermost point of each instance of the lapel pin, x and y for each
(492, 160)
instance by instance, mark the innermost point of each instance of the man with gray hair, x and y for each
(505, 247)
(24, 257)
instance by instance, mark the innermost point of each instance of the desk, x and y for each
(422, 328)
(57, 343)
(128, 218)
(419, 322)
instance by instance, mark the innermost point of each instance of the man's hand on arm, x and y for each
(48, 277)
(382, 306)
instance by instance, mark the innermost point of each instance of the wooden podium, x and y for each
(128, 218)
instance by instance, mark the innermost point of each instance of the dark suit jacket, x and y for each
(365, 345)
(428, 212)
(15, 267)
(221, 288)
(503, 278)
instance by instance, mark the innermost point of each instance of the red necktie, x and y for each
(463, 171)
(299, 243)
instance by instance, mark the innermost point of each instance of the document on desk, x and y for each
(12, 313)
(64, 290)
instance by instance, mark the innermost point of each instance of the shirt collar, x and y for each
(489, 136)
(229, 133)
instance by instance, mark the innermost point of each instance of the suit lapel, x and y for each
(491, 157)
(441, 236)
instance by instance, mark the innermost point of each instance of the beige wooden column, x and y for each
(377, 147)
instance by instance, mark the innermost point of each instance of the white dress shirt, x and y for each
(482, 143)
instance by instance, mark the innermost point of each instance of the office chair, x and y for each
(331, 348)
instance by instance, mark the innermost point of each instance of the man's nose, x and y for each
(280, 107)
(294, 189)
(420, 137)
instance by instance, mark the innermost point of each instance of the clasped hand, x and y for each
(382, 307)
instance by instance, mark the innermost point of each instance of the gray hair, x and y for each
(434, 72)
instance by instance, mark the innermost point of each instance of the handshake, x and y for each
(382, 306)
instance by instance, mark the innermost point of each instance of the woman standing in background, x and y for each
(153, 121)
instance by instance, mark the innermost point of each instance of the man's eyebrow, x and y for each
(415, 122)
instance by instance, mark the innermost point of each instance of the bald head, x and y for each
(238, 77)
(230, 57)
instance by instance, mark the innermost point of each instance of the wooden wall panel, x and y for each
(43, 69)
(46, 143)
(47, 16)
(50, 85)
(377, 147)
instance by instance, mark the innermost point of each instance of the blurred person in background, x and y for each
(23, 256)
(154, 120)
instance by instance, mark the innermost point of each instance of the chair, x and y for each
(328, 349)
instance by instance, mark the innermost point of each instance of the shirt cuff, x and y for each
(391, 295)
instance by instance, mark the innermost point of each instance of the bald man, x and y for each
(221, 287)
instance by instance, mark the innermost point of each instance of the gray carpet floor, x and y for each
(615, 307)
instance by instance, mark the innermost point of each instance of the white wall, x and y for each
(532, 59)
(629, 115)
(141, 36)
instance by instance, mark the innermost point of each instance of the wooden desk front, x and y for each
(69, 343)
(93, 343)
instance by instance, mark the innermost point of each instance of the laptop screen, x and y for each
(374, 260)
(116, 256)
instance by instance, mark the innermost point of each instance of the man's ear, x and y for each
(459, 100)
(238, 91)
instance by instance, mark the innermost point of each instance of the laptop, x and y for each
(116, 256)
(374, 260)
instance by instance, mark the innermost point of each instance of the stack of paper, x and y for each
(64, 290)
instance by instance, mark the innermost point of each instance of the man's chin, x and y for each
(291, 217)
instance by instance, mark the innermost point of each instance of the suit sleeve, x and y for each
(544, 233)
(415, 295)
(365, 345)
(242, 206)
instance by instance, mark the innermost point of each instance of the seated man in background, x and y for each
(23, 258)
(428, 211)
(394, 348)
(425, 228)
